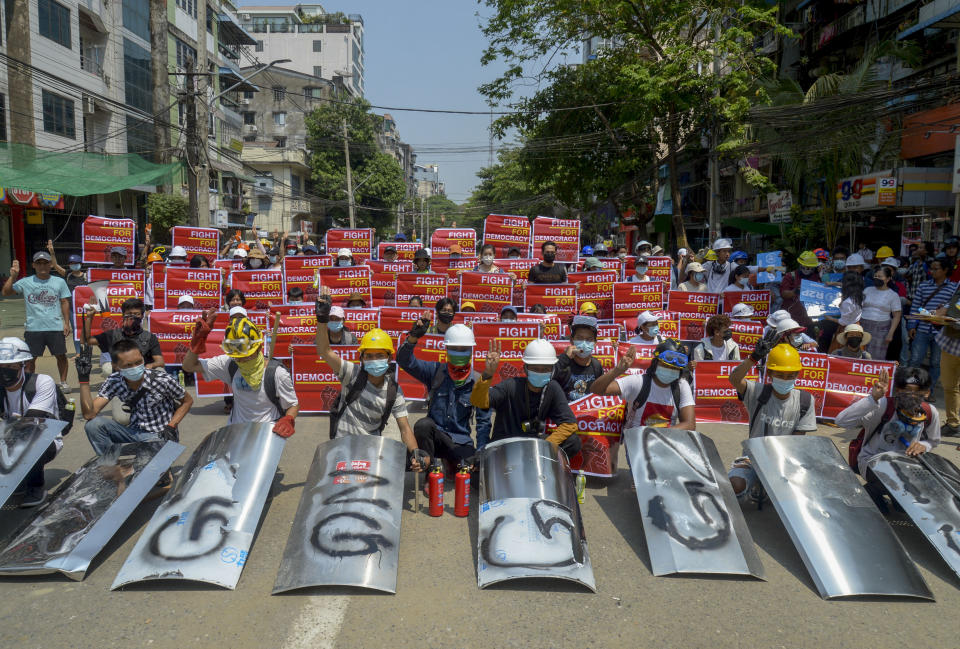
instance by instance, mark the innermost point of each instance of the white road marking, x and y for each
(319, 623)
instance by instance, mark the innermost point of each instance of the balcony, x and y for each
(853, 18)
(91, 60)
(93, 10)
(940, 14)
(259, 153)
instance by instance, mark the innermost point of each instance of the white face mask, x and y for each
(487, 260)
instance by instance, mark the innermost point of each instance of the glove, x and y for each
(84, 362)
(763, 347)
(170, 434)
(198, 343)
(419, 328)
(284, 426)
(322, 309)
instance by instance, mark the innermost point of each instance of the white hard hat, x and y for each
(723, 244)
(178, 251)
(777, 316)
(185, 299)
(787, 324)
(539, 352)
(892, 262)
(14, 350)
(240, 252)
(459, 335)
(856, 259)
(741, 310)
(344, 252)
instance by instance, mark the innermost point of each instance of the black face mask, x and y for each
(727, 335)
(133, 327)
(549, 257)
(854, 343)
(444, 317)
(879, 283)
(9, 376)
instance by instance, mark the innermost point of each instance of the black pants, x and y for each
(34, 477)
(436, 443)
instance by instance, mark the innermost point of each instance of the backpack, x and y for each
(806, 401)
(645, 393)
(856, 445)
(269, 379)
(341, 401)
(29, 391)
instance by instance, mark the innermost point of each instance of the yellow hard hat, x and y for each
(152, 257)
(784, 358)
(376, 339)
(710, 256)
(808, 259)
(242, 338)
(588, 308)
(884, 252)
(465, 305)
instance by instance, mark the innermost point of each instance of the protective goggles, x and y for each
(673, 358)
(240, 346)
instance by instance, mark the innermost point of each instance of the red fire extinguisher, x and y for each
(435, 487)
(461, 505)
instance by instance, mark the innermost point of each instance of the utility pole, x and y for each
(193, 143)
(346, 155)
(202, 124)
(161, 85)
(714, 166)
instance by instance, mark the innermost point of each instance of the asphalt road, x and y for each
(438, 603)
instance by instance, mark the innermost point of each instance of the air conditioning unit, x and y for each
(89, 106)
(246, 16)
(245, 101)
(249, 129)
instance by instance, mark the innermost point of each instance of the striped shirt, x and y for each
(363, 415)
(929, 296)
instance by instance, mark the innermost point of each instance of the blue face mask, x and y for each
(134, 373)
(653, 332)
(667, 375)
(584, 347)
(74, 266)
(698, 277)
(343, 262)
(376, 368)
(539, 379)
(335, 326)
(782, 386)
(839, 264)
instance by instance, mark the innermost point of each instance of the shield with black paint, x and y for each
(22, 442)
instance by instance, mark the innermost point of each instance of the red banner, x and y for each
(504, 232)
(715, 398)
(551, 328)
(197, 241)
(596, 287)
(813, 376)
(98, 235)
(443, 238)
(202, 284)
(430, 287)
(429, 348)
(614, 264)
(261, 287)
(291, 309)
(174, 329)
(644, 356)
(488, 291)
(469, 319)
(316, 384)
(658, 268)
(294, 330)
(563, 232)
(344, 281)
(605, 351)
(117, 294)
(693, 302)
(405, 249)
(513, 337)
(630, 298)
(134, 277)
(520, 269)
(302, 272)
(359, 241)
(849, 380)
(759, 300)
(158, 279)
(383, 279)
(692, 326)
(599, 424)
(397, 320)
(360, 321)
(555, 298)
(746, 333)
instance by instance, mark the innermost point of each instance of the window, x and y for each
(313, 92)
(3, 118)
(190, 6)
(318, 71)
(249, 117)
(210, 15)
(248, 94)
(278, 93)
(54, 22)
(185, 53)
(249, 138)
(258, 47)
(58, 115)
(139, 135)
(316, 45)
(136, 17)
(137, 76)
(280, 142)
(295, 185)
(280, 119)
(263, 204)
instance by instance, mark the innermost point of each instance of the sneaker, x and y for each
(65, 388)
(949, 431)
(34, 496)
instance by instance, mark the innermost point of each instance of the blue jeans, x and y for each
(922, 342)
(103, 432)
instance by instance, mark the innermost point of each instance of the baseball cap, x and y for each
(185, 299)
(237, 310)
(338, 312)
(240, 252)
(74, 259)
(119, 250)
(41, 255)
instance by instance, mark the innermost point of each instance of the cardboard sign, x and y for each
(315, 382)
(595, 287)
(202, 284)
(658, 268)
(405, 249)
(489, 292)
(294, 330)
(849, 380)
(359, 241)
(715, 397)
(134, 277)
(693, 302)
(98, 235)
(430, 287)
(563, 232)
(599, 424)
(513, 337)
(302, 272)
(443, 238)
(504, 232)
(555, 298)
(117, 294)
(261, 287)
(196, 241)
(429, 348)
(630, 298)
(342, 281)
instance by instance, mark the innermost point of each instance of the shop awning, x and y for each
(757, 227)
(234, 31)
(949, 19)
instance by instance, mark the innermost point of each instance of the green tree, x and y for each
(165, 211)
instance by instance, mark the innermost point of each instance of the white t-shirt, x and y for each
(736, 288)
(778, 416)
(880, 305)
(659, 401)
(250, 404)
(692, 287)
(45, 400)
(850, 312)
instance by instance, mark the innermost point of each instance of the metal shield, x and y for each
(844, 541)
(22, 442)
(203, 529)
(529, 524)
(347, 528)
(928, 490)
(70, 530)
(691, 519)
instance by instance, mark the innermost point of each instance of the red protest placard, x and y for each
(693, 302)
(342, 281)
(599, 424)
(383, 279)
(520, 269)
(302, 272)
(361, 320)
(261, 287)
(849, 380)
(563, 232)
(291, 309)
(759, 300)
(98, 235)
(644, 356)
(202, 284)
(443, 238)
(605, 351)
(692, 326)
(610, 331)
(211, 388)
(197, 241)
(158, 281)
(174, 329)
(405, 249)
(294, 330)
(488, 291)
(430, 287)
(429, 348)
(359, 241)
(595, 287)
(658, 268)
(813, 377)
(551, 328)
(316, 384)
(504, 232)
(513, 337)
(630, 298)
(555, 298)
(453, 268)
(397, 320)
(614, 264)
(469, 318)
(134, 277)
(117, 294)
(714, 396)
(746, 333)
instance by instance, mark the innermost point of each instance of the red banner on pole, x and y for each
(98, 235)
(714, 396)
(117, 294)
(196, 241)
(429, 348)
(658, 268)
(759, 300)
(315, 382)
(202, 284)
(599, 424)
(513, 337)
(443, 238)
(405, 249)
(261, 287)
(430, 287)
(693, 302)
(504, 232)
(488, 291)
(849, 380)
(344, 281)
(359, 241)
(555, 298)
(134, 277)
(630, 298)
(563, 232)
(595, 287)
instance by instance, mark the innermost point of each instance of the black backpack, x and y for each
(30, 391)
(806, 402)
(269, 379)
(341, 401)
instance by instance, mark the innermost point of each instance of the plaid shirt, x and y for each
(917, 274)
(931, 297)
(162, 396)
(948, 344)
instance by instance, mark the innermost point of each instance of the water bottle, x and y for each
(581, 486)
(182, 378)
(71, 405)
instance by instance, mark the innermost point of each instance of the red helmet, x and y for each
(821, 254)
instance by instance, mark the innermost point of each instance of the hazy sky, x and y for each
(426, 54)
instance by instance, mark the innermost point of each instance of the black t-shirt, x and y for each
(146, 341)
(576, 379)
(540, 274)
(514, 404)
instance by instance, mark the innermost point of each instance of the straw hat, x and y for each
(854, 329)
